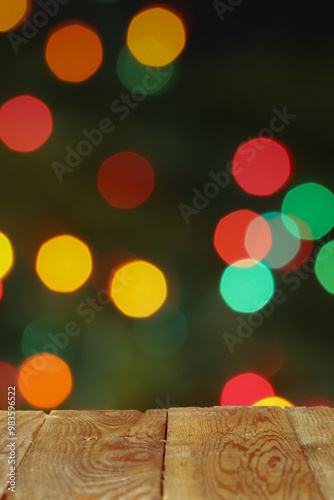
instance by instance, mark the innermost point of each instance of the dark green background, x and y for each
(264, 55)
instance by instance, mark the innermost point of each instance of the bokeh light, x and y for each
(324, 267)
(45, 380)
(138, 289)
(6, 255)
(8, 378)
(64, 263)
(247, 287)
(25, 123)
(242, 235)
(261, 166)
(273, 401)
(163, 333)
(126, 180)
(284, 246)
(156, 36)
(11, 13)
(74, 52)
(50, 334)
(312, 204)
(245, 390)
(138, 78)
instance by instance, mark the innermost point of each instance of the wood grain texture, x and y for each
(28, 423)
(95, 455)
(239, 453)
(314, 428)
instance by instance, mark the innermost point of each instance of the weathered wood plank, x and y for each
(314, 428)
(95, 455)
(27, 426)
(235, 453)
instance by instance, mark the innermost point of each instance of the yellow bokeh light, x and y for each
(6, 255)
(138, 289)
(11, 13)
(156, 36)
(64, 263)
(274, 401)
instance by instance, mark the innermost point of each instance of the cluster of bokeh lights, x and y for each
(250, 389)
(254, 245)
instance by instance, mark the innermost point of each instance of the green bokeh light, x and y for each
(247, 289)
(324, 267)
(313, 204)
(141, 79)
(47, 334)
(163, 333)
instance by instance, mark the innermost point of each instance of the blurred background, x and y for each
(241, 65)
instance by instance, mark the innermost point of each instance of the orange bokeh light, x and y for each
(74, 52)
(25, 123)
(45, 380)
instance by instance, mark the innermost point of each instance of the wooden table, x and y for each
(237, 453)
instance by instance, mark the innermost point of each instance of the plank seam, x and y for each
(28, 449)
(164, 457)
(304, 453)
(4, 493)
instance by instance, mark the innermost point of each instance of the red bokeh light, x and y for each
(8, 378)
(25, 123)
(261, 166)
(126, 180)
(245, 390)
(237, 239)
